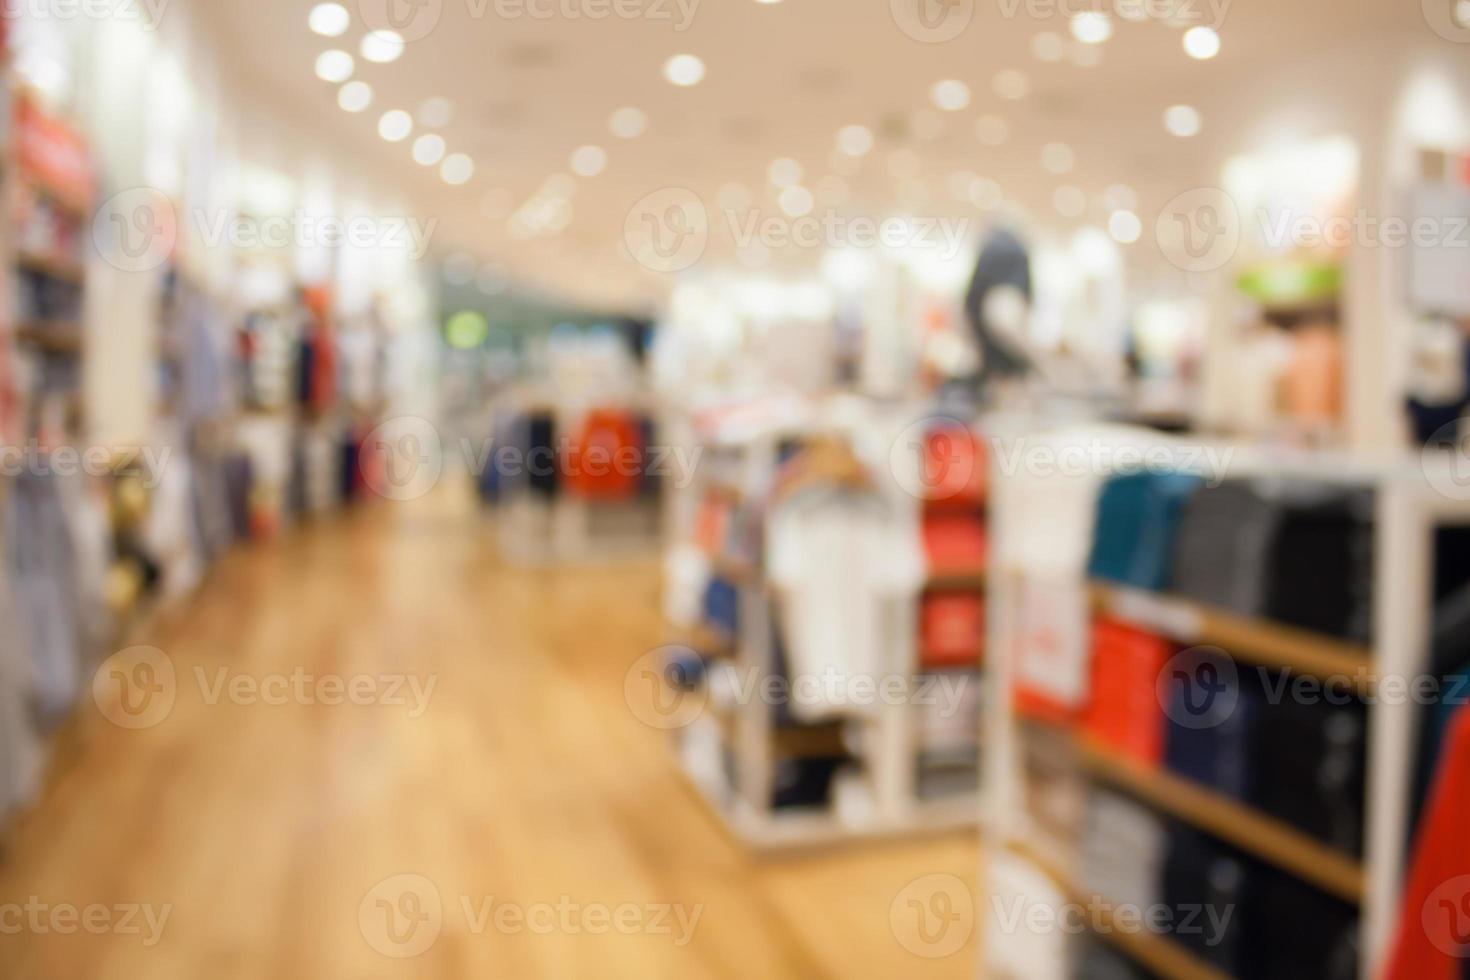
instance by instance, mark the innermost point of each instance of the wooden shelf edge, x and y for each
(1262, 642)
(956, 580)
(1159, 953)
(1236, 823)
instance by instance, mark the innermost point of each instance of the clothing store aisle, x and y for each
(262, 828)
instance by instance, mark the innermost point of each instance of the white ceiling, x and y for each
(782, 79)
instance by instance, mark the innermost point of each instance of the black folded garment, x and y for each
(1210, 731)
(801, 783)
(1293, 931)
(1319, 570)
(1206, 885)
(1308, 767)
(1293, 551)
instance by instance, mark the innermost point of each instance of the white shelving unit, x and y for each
(1408, 510)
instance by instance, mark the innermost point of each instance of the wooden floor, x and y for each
(527, 781)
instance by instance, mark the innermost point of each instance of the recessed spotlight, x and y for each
(334, 66)
(1182, 120)
(1048, 46)
(684, 70)
(1092, 27)
(628, 122)
(1125, 227)
(796, 201)
(1011, 84)
(783, 172)
(992, 130)
(329, 19)
(355, 96)
(457, 169)
(1201, 43)
(951, 95)
(435, 113)
(395, 125)
(588, 161)
(428, 149)
(855, 140)
(381, 47)
(1058, 158)
(1069, 201)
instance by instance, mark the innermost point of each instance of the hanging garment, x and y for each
(842, 562)
(605, 458)
(1433, 939)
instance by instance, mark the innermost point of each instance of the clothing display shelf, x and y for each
(1408, 510)
(888, 744)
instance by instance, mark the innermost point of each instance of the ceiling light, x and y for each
(381, 47)
(951, 95)
(457, 169)
(395, 125)
(329, 19)
(1069, 201)
(684, 70)
(334, 66)
(1182, 120)
(1058, 158)
(1462, 13)
(1092, 27)
(784, 172)
(1011, 84)
(428, 149)
(435, 113)
(855, 140)
(796, 201)
(1201, 42)
(355, 96)
(626, 123)
(992, 130)
(1048, 46)
(588, 161)
(1125, 227)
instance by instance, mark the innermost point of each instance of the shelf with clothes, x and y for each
(779, 526)
(1290, 602)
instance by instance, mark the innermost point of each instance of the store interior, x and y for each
(785, 488)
